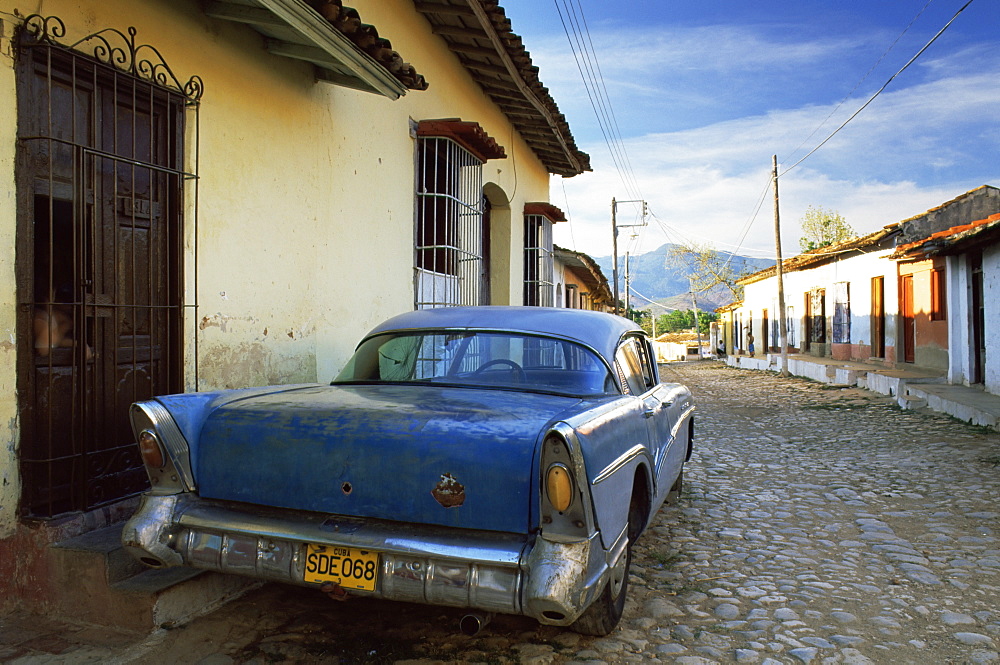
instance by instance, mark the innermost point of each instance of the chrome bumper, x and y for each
(494, 572)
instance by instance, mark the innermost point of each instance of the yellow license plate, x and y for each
(350, 568)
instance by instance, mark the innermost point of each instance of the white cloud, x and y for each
(909, 151)
(706, 107)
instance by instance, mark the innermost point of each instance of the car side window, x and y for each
(630, 367)
(648, 360)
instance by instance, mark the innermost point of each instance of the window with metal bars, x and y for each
(539, 285)
(449, 263)
(842, 313)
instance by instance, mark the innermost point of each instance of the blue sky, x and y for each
(704, 93)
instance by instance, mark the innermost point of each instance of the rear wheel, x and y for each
(606, 611)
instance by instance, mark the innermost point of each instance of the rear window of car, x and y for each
(481, 359)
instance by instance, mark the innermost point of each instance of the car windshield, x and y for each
(482, 359)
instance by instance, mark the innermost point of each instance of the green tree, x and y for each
(681, 320)
(823, 228)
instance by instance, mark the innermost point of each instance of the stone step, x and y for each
(911, 402)
(94, 579)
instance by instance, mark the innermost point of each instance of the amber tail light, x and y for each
(559, 487)
(150, 450)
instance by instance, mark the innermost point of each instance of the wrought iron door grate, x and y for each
(100, 247)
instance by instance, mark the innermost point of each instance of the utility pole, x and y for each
(628, 290)
(782, 318)
(614, 243)
(697, 325)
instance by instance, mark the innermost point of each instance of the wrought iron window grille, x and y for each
(539, 282)
(449, 262)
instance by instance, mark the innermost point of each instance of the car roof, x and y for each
(598, 330)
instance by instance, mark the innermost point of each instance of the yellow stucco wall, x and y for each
(9, 479)
(305, 198)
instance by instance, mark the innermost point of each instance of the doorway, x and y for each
(978, 318)
(99, 249)
(908, 314)
(878, 317)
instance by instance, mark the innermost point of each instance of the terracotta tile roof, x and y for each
(547, 210)
(347, 21)
(598, 283)
(479, 33)
(729, 308)
(681, 337)
(469, 135)
(816, 256)
(952, 238)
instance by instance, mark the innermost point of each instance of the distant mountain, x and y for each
(657, 277)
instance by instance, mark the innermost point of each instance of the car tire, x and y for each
(603, 615)
(606, 611)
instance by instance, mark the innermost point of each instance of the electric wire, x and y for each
(599, 102)
(760, 202)
(884, 86)
(611, 110)
(863, 78)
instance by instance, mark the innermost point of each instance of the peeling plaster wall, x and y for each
(305, 200)
(9, 478)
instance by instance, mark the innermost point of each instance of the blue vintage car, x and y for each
(501, 459)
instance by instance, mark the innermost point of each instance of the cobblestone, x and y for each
(817, 526)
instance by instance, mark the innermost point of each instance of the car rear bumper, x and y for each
(494, 572)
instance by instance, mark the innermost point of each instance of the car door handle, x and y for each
(649, 413)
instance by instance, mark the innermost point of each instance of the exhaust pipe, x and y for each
(474, 622)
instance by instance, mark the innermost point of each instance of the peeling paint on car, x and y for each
(449, 492)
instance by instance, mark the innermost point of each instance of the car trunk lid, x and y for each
(427, 454)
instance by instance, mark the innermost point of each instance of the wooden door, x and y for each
(878, 317)
(978, 318)
(909, 322)
(99, 242)
(765, 333)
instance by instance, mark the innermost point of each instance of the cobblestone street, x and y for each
(817, 525)
(822, 526)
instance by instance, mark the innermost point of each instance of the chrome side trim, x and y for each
(680, 421)
(619, 463)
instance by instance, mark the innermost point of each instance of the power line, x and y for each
(884, 86)
(593, 82)
(753, 216)
(865, 77)
(611, 109)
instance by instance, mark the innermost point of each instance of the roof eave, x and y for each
(478, 33)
